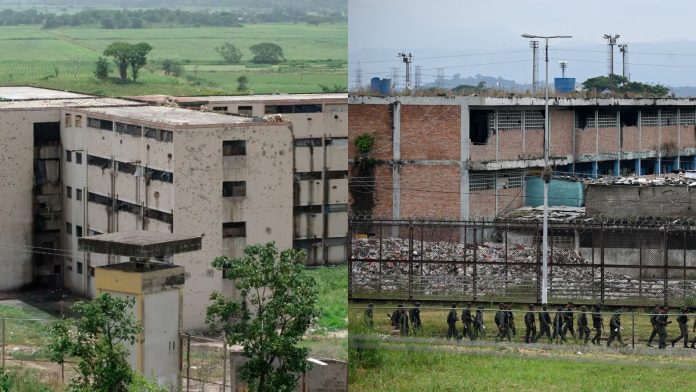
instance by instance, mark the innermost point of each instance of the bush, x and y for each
(101, 70)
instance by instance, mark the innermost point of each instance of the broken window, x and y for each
(337, 141)
(166, 136)
(79, 267)
(78, 231)
(307, 142)
(129, 129)
(478, 126)
(283, 109)
(234, 189)
(47, 134)
(585, 118)
(68, 120)
(159, 175)
(68, 192)
(100, 124)
(337, 208)
(78, 158)
(220, 108)
(68, 228)
(245, 111)
(234, 229)
(78, 121)
(233, 148)
(159, 215)
(629, 117)
(313, 209)
(336, 175)
(91, 271)
(308, 176)
(98, 161)
(78, 194)
(68, 156)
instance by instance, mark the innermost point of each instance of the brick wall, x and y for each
(509, 144)
(482, 204)
(430, 191)
(609, 140)
(670, 138)
(372, 119)
(561, 132)
(688, 136)
(383, 191)
(585, 141)
(630, 139)
(430, 132)
(650, 138)
(534, 143)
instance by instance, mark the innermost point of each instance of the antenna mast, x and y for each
(623, 48)
(611, 41)
(407, 60)
(564, 65)
(535, 64)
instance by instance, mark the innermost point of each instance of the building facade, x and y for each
(469, 157)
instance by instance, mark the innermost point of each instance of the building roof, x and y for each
(66, 103)
(170, 117)
(336, 98)
(15, 93)
(138, 243)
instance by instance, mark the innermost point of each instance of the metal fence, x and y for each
(610, 262)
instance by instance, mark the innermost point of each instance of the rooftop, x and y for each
(12, 93)
(66, 103)
(268, 98)
(168, 116)
(138, 243)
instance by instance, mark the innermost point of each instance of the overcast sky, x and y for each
(438, 28)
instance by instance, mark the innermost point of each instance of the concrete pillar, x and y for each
(637, 166)
(595, 168)
(677, 162)
(617, 167)
(693, 163)
(658, 165)
(396, 167)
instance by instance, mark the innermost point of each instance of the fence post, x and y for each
(410, 260)
(538, 263)
(224, 364)
(601, 268)
(666, 264)
(379, 260)
(684, 270)
(473, 275)
(188, 362)
(464, 265)
(506, 259)
(640, 267)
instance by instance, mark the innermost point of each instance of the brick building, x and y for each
(468, 157)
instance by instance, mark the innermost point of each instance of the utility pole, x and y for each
(611, 41)
(358, 77)
(407, 60)
(535, 64)
(564, 65)
(546, 173)
(623, 48)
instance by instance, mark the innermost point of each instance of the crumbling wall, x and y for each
(625, 201)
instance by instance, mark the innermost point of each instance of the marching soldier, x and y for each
(662, 323)
(451, 323)
(597, 324)
(568, 320)
(414, 314)
(653, 323)
(683, 321)
(501, 321)
(530, 335)
(615, 328)
(583, 329)
(479, 327)
(545, 323)
(367, 316)
(511, 320)
(467, 321)
(558, 325)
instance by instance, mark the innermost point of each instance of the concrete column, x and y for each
(595, 168)
(637, 163)
(464, 162)
(617, 167)
(693, 163)
(396, 157)
(658, 162)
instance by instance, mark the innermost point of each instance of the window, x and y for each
(233, 229)
(93, 232)
(79, 267)
(78, 121)
(245, 111)
(337, 208)
(68, 156)
(78, 194)
(91, 271)
(68, 120)
(78, 158)
(68, 228)
(308, 176)
(68, 192)
(128, 129)
(336, 175)
(234, 188)
(159, 175)
(166, 136)
(233, 148)
(315, 209)
(337, 141)
(220, 108)
(98, 161)
(78, 231)
(100, 124)
(273, 109)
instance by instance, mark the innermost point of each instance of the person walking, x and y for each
(530, 335)
(451, 323)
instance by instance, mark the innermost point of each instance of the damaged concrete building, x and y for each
(470, 157)
(79, 165)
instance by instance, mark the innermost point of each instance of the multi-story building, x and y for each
(320, 132)
(468, 157)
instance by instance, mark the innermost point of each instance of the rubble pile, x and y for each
(666, 179)
(443, 271)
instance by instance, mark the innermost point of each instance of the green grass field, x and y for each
(407, 369)
(333, 296)
(64, 59)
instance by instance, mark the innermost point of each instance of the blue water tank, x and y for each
(385, 87)
(375, 84)
(564, 85)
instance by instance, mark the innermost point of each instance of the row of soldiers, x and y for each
(555, 330)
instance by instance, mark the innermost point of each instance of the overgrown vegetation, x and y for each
(620, 84)
(332, 284)
(278, 305)
(362, 187)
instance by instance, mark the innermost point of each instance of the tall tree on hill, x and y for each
(120, 52)
(267, 53)
(137, 57)
(229, 53)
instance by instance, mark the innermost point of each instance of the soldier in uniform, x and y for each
(530, 324)
(558, 326)
(597, 324)
(414, 314)
(683, 321)
(451, 323)
(545, 323)
(403, 321)
(502, 320)
(511, 320)
(395, 318)
(615, 328)
(583, 328)
(467, 321)
(662, 323)
(367, 316)
(479, 327)
(653, 323)
(568, 320)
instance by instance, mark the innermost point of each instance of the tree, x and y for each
(120, 51)
(101, 70)
(229, 53)
(267, 53)
(278, 305)
(137, 57)
(621, 84)
(95, 339)
(242, 83)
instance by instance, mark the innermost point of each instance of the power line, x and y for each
(445, 57)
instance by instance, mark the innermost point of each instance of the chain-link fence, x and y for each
(613, 263)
